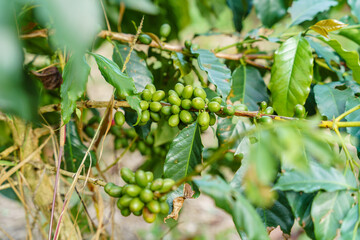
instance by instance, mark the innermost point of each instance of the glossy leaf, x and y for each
(323, 27)
(291, 75)
(75, 76)
(134, 102)
(248, 87)
(74, 150)
(331, 101)
(113, 75)
(229, 129)
(184, 153)
(136, 68)
(270, 11)
(164, 133)
(351, 33)
(279, 214)
(353, 117)
(301, 207)
(302, 10)
(351, 57)
(349, 223)
(324, 52)
(131, 118)
(317, 178)
(328, 211)
(247, 221)
(240, 10)
(218, 73)
(181, 63)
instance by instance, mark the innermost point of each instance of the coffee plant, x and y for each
(276, 83)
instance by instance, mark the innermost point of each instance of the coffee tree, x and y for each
(276, 82)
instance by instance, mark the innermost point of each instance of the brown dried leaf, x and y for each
(188, 192)
(177, 205)
(50, 77)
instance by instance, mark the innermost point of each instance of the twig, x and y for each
(8, 151)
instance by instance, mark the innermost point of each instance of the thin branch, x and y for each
(8, 151)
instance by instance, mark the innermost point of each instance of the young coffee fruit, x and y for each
(153, 206)
(188, 43)
(148, 216)
(187, 92)
(151, 87)
(229, 110)
(214, 106)
(299, 111)
(174, 120)
(265, 120)
(241, 107)
(133, 190)
(146, 195)
(179, 87)
(145, 39)
(157, 184)
(125, 212)
(145, 116)
(269, 111)
(124, 201)
(155, 106)
(199, 92)
(167, 185)
(155, 116)
(174, 100)
(263, 105)
(165, 30)
(204, 119)
(186, 104)
(198, 103)
(175, 109)
(146, 95)
(119, 118)
(144, 105)
(141, 178)
(149, 176)
(186, 117)
(127, 175)
(158, 96)
(212, 119)
(216, 99)
(166, 110)
(113, 190)
(164, 207)
(136, 205)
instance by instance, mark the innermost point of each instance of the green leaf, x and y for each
(72, 30)
(301, 207)
(279, 214)
(240, 10)
(351, 33)
(349, 223)
(131, 119)
(317, 178)
(184, 153)
(291, 75)
(247, 221)
(136, 68)
(270, 11)
(324, 52)
(351, 57)
(164, 133)
(134, 102)
(331, 101)
(229, 129)
(74, 150)
(75, 76)
(248, 87)
(355, 8)
(328, 211)
(123, 84)
(218, 73)
(353, 117)
(181, 62)
(302, 10)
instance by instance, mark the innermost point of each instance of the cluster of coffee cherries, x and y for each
(141, 195)
(183, 105)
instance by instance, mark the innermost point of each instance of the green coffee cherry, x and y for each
(167, 185)
(158, 96)
(125, 212)
(151, 87)
(142, 148)
(136, 205)
(263, 105)
(265, 120)
(90, 131)
(113, 190)
(131, 133)
(174, 120)
(144, 105)
(145, 39)
(269, 111)
(145, 116)
(146, 95)
(186, 104)
(146, 195)
(124, 142)
(175, 109)
(174, 100)
(199, 92)
(140, 178)
(118, 204)
(187, 92)
(138, 213)
(132, 149)
(164, 207)
(119, 118)
(108, 186)
(229, 110)
(198, 103)
(179, 87)
(93, 120)
(157, 184)
(212, 119)
(149, 176)
(148, 216)
(204, 128)
(188, 44)
(241, 107)
(186, 117)
(214, 106)
(165, 30)
(299, 111)
(204, 119)
(127, 175)
(216, 99)
(166, 110)
(124, 201)
(118, 143)
(172, 92)
(153, 206)
(155, 106)
(133, 190)
(155, 116)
